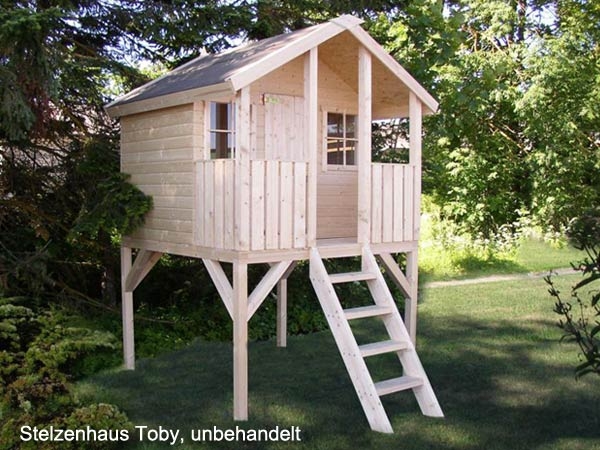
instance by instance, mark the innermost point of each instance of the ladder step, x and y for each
(378, 348)
(367, 311)
(397, 384)
(351, 276)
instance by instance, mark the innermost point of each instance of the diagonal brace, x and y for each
(396, 274)
(144, 262)
(215, 270)
(266, 285)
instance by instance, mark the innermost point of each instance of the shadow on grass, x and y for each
(497, 385)
(474, 265)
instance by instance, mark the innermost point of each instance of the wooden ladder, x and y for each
(368, 391)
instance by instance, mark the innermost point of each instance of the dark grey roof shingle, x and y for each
(211, 69)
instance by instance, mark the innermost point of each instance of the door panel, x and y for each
(337, 204)
(284, 127)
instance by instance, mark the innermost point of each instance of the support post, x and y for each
(127, 311)
(410, 302)
(240, 341)
(282, 306)
(415, 112)
(282, 313)
(364, 145)
(311, 105)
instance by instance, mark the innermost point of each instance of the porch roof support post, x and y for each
(242, 170)
(364, 145)
(415, 111)
(311, 105)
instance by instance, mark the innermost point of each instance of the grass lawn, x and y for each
(491, 352)
(532, 255)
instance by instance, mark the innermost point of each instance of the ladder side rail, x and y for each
(344, 338)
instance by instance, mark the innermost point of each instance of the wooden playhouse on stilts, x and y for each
(262, 155)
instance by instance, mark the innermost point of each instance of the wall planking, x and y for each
(157, 150)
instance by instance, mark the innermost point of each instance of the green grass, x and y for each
(492, 352)
(531, 255)
(538, 256)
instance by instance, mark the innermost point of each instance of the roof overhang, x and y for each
(115, 110)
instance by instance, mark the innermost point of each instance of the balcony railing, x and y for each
(278, 195)
(394, 212)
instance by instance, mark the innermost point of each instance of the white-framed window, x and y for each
(340, 140)
(221, 130)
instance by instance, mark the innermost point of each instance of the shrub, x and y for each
(581, 315)
(40, 356)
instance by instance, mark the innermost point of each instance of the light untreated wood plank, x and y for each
(229, 205)
(144, 262)
(242, 187)
(398, 203)
(391, 266)
(408, 202)
(168, 190)
(282, 313)
(387, 219)
(176, 154)
(173, 202)
(183, 214)
(222, 284)
(376, 206)
(158, 144)
(208, 189)
(286, 214)
(219, 205)
(180, 178)
(158, 132)
(410, 306)
(240, 341)
(257, 212)
(415, 142)
(365, 95)
(199, 204)
(174, 237)
(266, 285)
(272, 205)
(127, 311)
(183, 226)
(300, 205)
(311, 121)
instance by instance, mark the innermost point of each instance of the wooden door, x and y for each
(337, 206)
(284, 127)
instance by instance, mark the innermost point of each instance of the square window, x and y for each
(341, 139)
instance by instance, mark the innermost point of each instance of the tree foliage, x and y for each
(517, 130)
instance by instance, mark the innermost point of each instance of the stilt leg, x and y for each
(410, 307)
(282, 313)
(127, 311)
(240, 341)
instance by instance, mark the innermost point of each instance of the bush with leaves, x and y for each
(581, 315)
(40, 356)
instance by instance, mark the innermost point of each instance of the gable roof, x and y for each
(227, 72)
